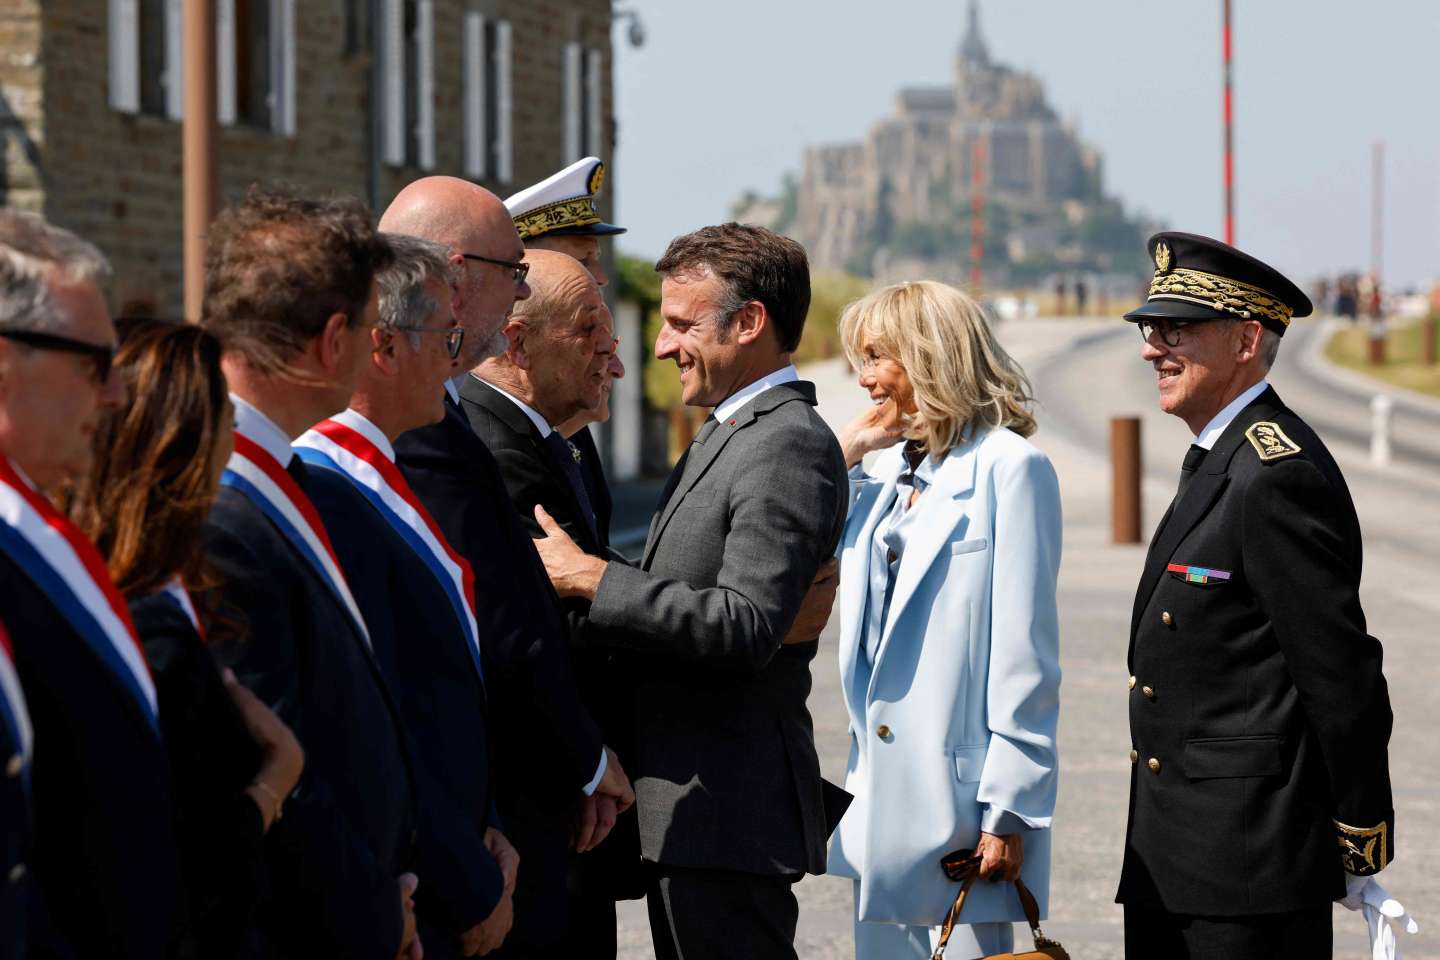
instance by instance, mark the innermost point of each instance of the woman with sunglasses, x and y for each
(948, 634)
(158, 462)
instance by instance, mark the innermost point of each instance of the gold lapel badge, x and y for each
(1270, 441)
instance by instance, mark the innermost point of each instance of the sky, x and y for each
(724, 97)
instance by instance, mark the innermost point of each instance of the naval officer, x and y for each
(1259, 717)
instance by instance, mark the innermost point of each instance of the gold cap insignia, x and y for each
(1270, 441)
(1162, 257)
(1363, 850)
(597, 178)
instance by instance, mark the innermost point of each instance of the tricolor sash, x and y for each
(333, 445)
(259, 477)
(13, 713)
(67, 568)
(175, 592)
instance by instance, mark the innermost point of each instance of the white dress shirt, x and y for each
(264, 431)
(1207, 437)
(734, 403)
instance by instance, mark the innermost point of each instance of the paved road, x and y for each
(1084, 374)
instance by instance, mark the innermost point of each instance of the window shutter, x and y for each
(392, 79)
(594, 119)
(474, 61)
(282, 67)
(174, 60)
(571, 101)
(124, 42)
(503, 152)
(225, 61)
(425, 85)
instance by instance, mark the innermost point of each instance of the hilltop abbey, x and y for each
(901, 200)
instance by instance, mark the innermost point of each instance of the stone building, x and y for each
(354, 96)
(899, 202)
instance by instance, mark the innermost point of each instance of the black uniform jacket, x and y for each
(14, 844)
(533, 477)
(595, 482)
(103, 865)
(346, 833)
(1258, 712)
(420, 646)
(546, 745)
(212, 760)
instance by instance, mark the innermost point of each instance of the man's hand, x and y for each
(615, 784)
(506, 857)
(878, 427)
(815, 608)
(489, 933)
(573, 571)
(595, 820)
(1001, 856)
(410, 948)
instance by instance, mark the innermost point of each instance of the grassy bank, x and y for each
(1350, 347)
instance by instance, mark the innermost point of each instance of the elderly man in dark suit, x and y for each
(728, 783)
(100, 870)
(290, 288)
(550, 755)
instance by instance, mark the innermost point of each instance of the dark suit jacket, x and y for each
(726, 774)
(546, 746)
(532, 477)
(212, 760)
(420, 647)
(14, 842)
(347, 830)
(104, 864)
(1258, 695)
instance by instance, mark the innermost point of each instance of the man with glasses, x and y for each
(415, 596)
(549, 753)
(101, 875)
(1259, 717)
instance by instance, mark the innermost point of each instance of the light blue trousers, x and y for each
(895, 941)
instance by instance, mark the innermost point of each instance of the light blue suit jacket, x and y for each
(966, 681)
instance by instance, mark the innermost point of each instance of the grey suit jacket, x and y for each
(725, 768)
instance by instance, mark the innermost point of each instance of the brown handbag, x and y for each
(964, 866)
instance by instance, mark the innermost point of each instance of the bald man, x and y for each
(549, 752)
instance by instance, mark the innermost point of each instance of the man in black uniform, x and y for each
(1259, 717)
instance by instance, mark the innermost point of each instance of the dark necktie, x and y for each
(564, 456)
(1193, 458)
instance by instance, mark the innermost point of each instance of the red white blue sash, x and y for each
(175, 592)
(334, 445)
(13, 713)
(68, 569)
(258, 476)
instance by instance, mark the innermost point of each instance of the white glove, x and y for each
(1374, 901)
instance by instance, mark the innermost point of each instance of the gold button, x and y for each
(17, 872)
(1132, 683)
(1149, 692)
(1153, 764)
(883, 732)
(1134, 756)
(14, 765)
(1166, 619)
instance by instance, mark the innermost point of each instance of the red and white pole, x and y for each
(1229, 110)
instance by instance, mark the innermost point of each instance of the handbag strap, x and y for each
(966, 869)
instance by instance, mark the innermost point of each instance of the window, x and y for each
(487, 97)
(407, 67)
(144, 50)
(584, 118)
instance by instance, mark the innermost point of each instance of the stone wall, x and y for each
(115, 178)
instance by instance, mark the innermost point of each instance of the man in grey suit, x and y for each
(727, 780)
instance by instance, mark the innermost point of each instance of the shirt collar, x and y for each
(736, 402)
(1216, 427)
(367, 429)
(452, 387)
(262, 430)
(540, 422)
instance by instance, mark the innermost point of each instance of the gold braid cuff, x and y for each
(575, 212)
(1218, 293)
(1364, 850)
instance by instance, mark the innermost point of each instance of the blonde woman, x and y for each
(949, 653)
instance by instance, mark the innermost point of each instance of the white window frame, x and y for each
(425, 83)
(478, 94)
(173, 78)
(123, 38)
(392, 81)
(282, 67)
(504, 148)
(594, 85)
(571, 78)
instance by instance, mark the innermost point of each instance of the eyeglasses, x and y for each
(1170, 331)
(454, 336)
(521, 269)
(870, 359)
(103, 355)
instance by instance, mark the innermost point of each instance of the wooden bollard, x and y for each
(1125, 485)
(1377, 342)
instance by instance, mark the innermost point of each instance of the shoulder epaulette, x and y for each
(1270, 441)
